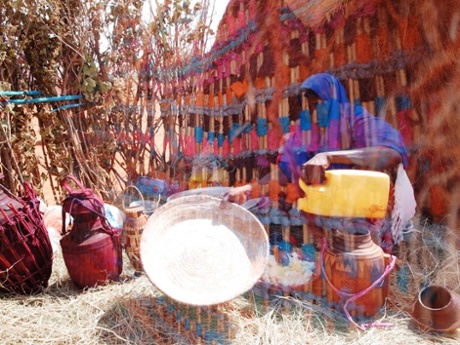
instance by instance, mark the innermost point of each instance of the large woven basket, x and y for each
(201, 250)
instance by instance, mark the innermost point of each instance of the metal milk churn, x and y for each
(352, 264)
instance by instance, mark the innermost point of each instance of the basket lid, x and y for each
(202, 251)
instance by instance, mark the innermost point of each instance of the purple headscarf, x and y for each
(339, 126)
(327, 87)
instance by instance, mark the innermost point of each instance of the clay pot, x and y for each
(352, 263)
(437, 309)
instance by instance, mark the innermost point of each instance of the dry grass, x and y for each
(128, 312)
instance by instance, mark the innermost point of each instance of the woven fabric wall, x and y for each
(236, 103)
(396, 58)
(233, 106)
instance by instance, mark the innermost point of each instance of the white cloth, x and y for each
(404, 204)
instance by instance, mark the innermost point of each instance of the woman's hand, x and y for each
(314, 171)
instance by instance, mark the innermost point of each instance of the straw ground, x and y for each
(127, 312)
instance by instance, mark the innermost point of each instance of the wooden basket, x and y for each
(133, 227)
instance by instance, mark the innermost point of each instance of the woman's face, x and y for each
(312, 100)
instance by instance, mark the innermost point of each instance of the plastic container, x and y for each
(348, 193)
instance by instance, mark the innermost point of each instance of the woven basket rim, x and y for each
(234, 236)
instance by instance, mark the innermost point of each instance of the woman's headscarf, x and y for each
(333, 113)
(327, 87)
(339, 126)
(349, 126)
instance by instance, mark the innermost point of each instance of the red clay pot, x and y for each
(437, 309)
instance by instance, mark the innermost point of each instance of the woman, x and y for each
(340, 135)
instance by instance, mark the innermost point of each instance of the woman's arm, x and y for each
(373, 158)
(234, 194)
